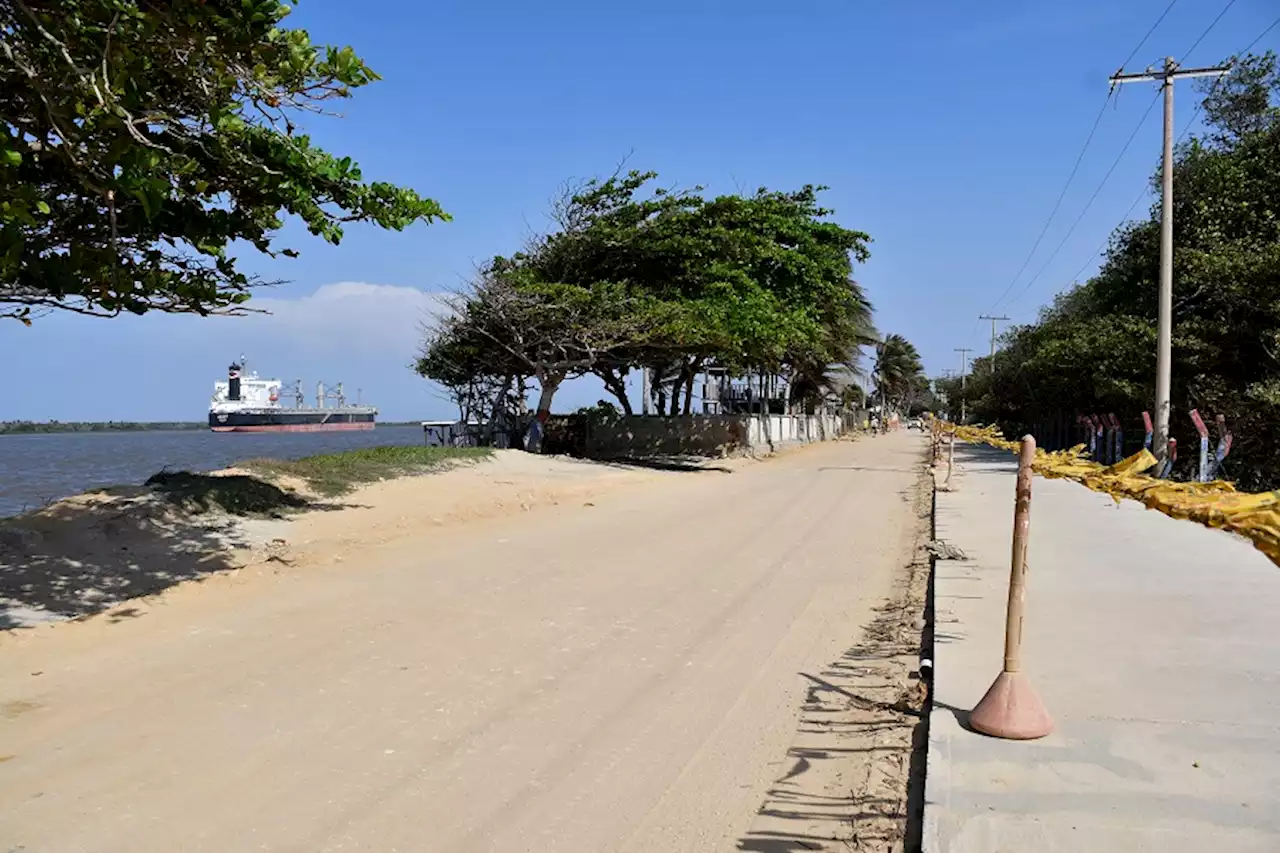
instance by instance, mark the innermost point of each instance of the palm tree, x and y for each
(835, 364)
(897, 370)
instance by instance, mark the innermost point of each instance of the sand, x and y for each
(89, 553)
(635, 662)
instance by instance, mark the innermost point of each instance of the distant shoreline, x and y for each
(48, 427)
(37, 427)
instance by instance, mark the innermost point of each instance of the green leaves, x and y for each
(165, 138)
(644, 276)
(898, 371)
(1093, 351)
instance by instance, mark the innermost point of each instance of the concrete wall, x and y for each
(711, 435)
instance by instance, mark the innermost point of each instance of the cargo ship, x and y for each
(246, 402)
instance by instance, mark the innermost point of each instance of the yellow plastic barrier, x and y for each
(1216, 504)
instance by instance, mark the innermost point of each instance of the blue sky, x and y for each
(944, 129)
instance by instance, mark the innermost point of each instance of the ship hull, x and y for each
(291, 421)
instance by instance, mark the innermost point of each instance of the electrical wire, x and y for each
(1057, 205)
(1186, 130)
(1134, 52)
(1274, 24)
(1142, 121)
(1107, 241)
(1208, 29)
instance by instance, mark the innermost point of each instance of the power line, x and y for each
(1076, 167)
(1106, 241)
(1134, 52)
(1145, 192)
(1230, 3)
(973, 331)
(1186, 130)
(1091, 200)
(1274, 24)
(1057, 204)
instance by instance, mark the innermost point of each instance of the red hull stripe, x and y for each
(362, 425)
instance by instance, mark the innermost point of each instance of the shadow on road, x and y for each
(863, 730)
(692, 464)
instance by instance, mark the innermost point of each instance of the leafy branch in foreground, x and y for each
(139, 140)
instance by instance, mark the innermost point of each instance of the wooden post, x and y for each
(1011, 709)
(951, 462)
(1202, 473)
(1018, 559)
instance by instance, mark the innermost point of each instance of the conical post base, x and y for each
(1012, 710)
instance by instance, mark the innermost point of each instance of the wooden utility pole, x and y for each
(947, 373)
(1164, 329)
(993, 336)
(964, 377)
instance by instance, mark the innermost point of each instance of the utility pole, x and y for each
(993, 337)
(1164, 328)
(964, 376)
(947, 373)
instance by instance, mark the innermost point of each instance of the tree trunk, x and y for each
(495, 410)
(617, 386)
(549, 384)
(764, 411)
(694, 367)
(677, 388)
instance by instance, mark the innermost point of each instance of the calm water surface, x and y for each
(35, 469)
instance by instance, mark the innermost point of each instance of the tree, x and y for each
(745, 283)
(512, 325)
(1093, 350)
(833, 363)
(671, 282)
(898, 371)
(461, 361)
(1241, 103)
(140, 140)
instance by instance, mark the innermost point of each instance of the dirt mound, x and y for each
(236, 494)
(83, 554)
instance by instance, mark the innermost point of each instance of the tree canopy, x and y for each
(142, 140)
(899, 373)
(1093, 350)
(641, 276)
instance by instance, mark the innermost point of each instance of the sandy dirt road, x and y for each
(621, 676)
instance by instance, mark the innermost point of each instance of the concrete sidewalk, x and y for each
(1155, 645)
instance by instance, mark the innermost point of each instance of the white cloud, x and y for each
(163, 367)
(365, 317)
